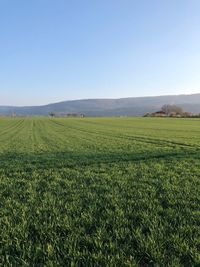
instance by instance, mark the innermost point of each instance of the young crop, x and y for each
(99, 192)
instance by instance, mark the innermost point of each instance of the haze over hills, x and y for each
(132, 106)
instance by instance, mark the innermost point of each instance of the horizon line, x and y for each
(100, 98)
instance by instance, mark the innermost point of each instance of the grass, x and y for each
(100, 192)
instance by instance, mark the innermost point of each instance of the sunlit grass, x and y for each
(99, 192)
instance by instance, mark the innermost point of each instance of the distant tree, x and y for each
(13, 115)
(169, 109)
(52, 114)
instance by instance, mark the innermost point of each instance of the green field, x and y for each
(100, 192)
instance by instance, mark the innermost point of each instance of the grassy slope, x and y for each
(116, 192)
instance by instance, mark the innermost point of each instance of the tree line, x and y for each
(172, 111)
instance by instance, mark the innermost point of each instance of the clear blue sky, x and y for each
(52, 50)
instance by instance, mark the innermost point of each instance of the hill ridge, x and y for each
(128, 106)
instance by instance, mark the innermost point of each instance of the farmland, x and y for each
(99, 192)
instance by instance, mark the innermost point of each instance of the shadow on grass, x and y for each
(73, 159)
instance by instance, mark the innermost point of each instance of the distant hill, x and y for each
(133, 106)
